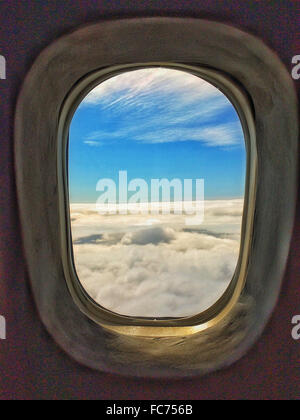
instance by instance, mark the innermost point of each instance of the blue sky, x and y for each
(156, 123)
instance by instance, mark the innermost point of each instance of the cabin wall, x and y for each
(31, 364)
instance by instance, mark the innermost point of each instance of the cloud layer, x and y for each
(139, 266)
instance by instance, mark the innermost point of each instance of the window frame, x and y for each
(251, 65)
(146, 326)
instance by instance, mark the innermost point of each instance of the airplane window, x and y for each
(157, 170)
(146, 178)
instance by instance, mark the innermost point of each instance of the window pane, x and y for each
(157, 165)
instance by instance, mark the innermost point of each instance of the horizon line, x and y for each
(158, 202)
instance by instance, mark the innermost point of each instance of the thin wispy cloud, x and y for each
(92, 143)
(221, 135)
(146, 82)
(162, 106)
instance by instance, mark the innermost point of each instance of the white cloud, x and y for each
(166, 269)
(154, 235)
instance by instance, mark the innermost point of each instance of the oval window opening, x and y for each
(156, 175)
